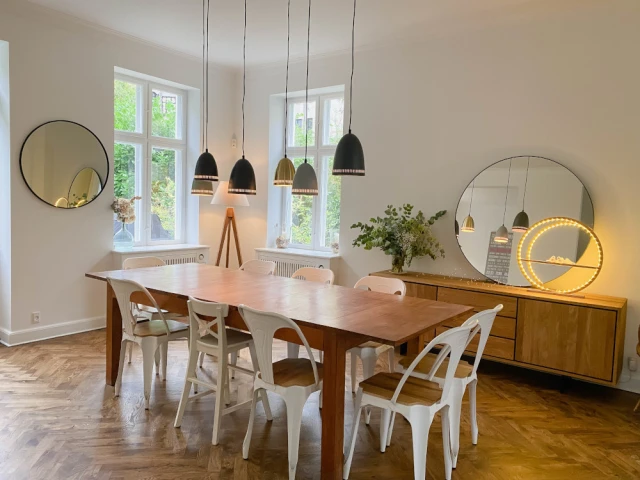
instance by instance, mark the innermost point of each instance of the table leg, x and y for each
(415, 345)
(335, 352)
(114, 336)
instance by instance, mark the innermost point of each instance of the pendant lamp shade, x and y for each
(457, 228)
(202, 188)
(502, 235)
(285, 172)
(243, 178)
(305, 181)
(521, 222)
(468, 225)
(349, 157)
(206, 168)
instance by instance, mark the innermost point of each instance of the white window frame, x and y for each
(317, 152)
(148, 142)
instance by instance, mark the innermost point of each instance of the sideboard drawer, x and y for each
(421, 291)
(479, 301)
(502, 326)
(496, 346)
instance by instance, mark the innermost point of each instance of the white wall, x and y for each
(63, 69)
(5, 191)
(432, 115)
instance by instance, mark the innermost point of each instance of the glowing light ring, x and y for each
(548, 224)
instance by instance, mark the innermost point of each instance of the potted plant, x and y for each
(401, 235)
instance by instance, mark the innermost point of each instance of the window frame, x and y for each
(318, 151)
(147, 143)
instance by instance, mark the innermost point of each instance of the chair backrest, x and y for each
(262, 267)
(203, 317)
(453, 343)
(393, 286)
(319, 275)
(263, 326)
(142, 262)
(123, 289)
(484, 321)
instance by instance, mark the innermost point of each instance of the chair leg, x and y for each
(321, 356)
(637, 407)
(455, 410)
(293, 350)
(354, 432)
(447, 429)
(472, 403)
(368, 358)
(247, 438)
(354, 369)
(393, 421)
(263, 393)
(123, 350)
(392, 360)
(164, 351)
(184, 399)
(157, 362)
(221, 393)
(420, 434)
(384, 428)
(201, 362)
(234, 362)
(295, 404)
(130, 351)
(149, 350)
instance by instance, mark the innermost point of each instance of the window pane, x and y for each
(297, 124)
(164, 114)
(301, 213)
(164, 166)
(127, 101)
(332, 212)
(125, 157)
(333, 121)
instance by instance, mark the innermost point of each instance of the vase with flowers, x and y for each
(402, 235)
(125, 211)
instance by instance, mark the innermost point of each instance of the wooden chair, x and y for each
(638, 352)
(416, 399)
(152, 336)
(261, 267)
(465, 374)
(212, 337)
(294, 379)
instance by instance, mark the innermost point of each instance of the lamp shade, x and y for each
(243, 178)
(206, 167)
(202, 187)
(468, 225)
(521, 222)
(305, 182)
(224, 198)
(349, 157)
(456, 227)
(502, 235)
(284, 173)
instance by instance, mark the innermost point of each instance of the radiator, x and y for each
(287, 262)
(171, 255)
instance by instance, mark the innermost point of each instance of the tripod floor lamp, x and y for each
(224, 198)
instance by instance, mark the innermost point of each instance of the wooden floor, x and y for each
(58, 420)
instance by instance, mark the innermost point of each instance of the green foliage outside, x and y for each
(299, 133)
(301, 212)
(163, 188)
(334, 185)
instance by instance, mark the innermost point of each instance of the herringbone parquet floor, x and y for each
(58, 420)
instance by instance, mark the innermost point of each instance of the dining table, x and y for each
(333, 319)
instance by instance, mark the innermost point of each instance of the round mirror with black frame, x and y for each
(64, 164)
(504, 200)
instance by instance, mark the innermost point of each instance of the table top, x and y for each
(382, 317)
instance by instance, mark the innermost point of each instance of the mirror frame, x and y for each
(106, 156)
(491, 280)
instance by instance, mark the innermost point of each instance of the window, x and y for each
(149, 152)
(314, 222)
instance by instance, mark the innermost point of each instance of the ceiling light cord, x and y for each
(306, 97)
(206, 123)
(353, 63)
(526, 180)
(286, 83)
(204, 86)
(506, 197)
(473, 187)
(244, 71)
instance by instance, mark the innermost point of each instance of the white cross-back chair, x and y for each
(416, 399)
(465, 374)
(152, 336)
(261, 267)
(208, 334)
(294, 379)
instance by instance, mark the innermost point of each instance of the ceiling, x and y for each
(177, 24)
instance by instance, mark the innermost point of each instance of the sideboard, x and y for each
(579, 335)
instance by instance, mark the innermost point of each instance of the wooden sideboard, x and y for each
(579, 335)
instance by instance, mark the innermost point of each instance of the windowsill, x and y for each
(301, 252)
(159, 248)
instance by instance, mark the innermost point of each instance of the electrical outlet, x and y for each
(633, 364)
(35, 317)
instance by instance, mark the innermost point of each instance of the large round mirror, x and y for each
(64, 164)
(508, 197)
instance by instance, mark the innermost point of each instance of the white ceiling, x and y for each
(177, 24)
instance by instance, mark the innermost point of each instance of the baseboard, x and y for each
(45, 332)
(630, 385)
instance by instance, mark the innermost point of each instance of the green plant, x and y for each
(401, 234)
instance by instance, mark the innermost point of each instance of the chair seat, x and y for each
(155, 328)
(464, 369)
(375, 345)
(292, 372)
(148, 309)
(414, 392)
(234, 337)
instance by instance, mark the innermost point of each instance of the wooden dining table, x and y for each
(333, 318)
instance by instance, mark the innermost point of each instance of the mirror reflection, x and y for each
(504, 200)
(64, 164)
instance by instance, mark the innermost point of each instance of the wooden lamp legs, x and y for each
(229, 223)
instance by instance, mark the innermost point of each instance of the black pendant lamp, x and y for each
(243, 178)
(349, 157)
(206, 168)
(285, 171)
(521, 222)
(502, 234)
(305, 181)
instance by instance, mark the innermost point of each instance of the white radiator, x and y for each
(170, 254)
(289, 260)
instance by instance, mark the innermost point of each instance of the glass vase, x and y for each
(397, 264)
(123, 237)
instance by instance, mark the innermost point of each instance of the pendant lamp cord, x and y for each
(473, 187)
(506, 197)
(286, 82)
(306, 97)
(206, 109)
(244, 71)
(204, 85)
(526, 180)
(353, 63)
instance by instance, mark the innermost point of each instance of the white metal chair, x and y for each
(310, 274)
(261, 267)
(212, 337)
(152, 336)
(294, 379)
(465, 374)
(416, 399)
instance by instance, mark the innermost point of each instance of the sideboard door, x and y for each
(567, 338)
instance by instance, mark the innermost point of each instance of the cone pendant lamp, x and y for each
(285, 170)
(468, 225)
(243, 179)
(206, 168)
(305, 181)
(502, 234)
(349, 157)
(521, 222)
